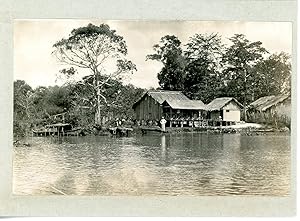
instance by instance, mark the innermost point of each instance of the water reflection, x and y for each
(168, 164)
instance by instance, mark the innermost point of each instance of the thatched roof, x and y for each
(161, 95)
(219, 103)
(264, 103)
(186, 104)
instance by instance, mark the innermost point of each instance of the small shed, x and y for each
(225, 109)
(149, 105)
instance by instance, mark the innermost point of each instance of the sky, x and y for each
(33, 41)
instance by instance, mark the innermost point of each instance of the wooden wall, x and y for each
(232, 112)
(148, 109)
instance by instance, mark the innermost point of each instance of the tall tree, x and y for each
(169, 53)
(202, 73)
(273, 75)
(100, 50)
(23, 107)
(239, 59)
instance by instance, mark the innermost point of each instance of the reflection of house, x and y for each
(266, 108)
(225, 108)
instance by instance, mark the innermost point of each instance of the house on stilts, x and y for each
(224, 110)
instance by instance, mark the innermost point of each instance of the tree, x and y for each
(100, 50)
(202, 73)
(22, 95)
(273, 75)
(169, 53)
(23, 105)
(239, 59)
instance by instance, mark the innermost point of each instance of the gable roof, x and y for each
(219, 103)
(186, 104)
(264, 103)
(161, 95)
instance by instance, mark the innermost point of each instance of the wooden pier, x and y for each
(59, 129)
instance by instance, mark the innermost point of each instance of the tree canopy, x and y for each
(239, 60)
(208, 69)
(169, 53)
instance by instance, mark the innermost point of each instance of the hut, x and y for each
(226, 109)
(270, 109)
(149, 106)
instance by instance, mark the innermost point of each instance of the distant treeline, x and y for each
(205, 68)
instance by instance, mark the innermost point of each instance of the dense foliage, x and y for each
(34, 108)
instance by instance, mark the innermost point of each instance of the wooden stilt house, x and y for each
(226, 109)
(150, 105)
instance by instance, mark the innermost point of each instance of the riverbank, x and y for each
(248, 129)
(243, 128)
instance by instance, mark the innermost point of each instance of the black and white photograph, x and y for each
(151, 108)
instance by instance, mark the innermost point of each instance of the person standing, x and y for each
(163, 124)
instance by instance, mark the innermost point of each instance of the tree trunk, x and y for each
(98, 109)
(245, 95)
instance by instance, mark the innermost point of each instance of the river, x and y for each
(186, 164)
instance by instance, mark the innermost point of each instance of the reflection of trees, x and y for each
(203, 161)
(264, 166)
(192, 146)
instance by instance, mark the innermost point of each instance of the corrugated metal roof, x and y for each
(186, 104)
(264, 103)
(161, 95)
(219, 103)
